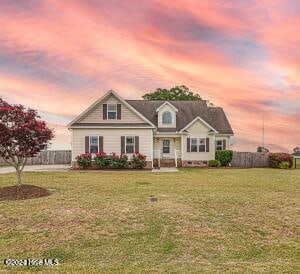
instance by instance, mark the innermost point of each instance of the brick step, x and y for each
(167, 163)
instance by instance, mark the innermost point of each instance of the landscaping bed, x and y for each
(22, 192)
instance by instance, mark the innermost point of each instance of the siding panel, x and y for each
(198, 130)
(96, 116)
(111, 140)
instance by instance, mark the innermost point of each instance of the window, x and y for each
(201, 144)
(167, 118)
(194, 145)
(198, 145)
(129, 144)
(112, 111)
(94, 144)
(166, 146)
(219, 145)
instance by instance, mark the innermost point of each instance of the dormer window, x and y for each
(112, 111)
(166, 115)
(167, 118)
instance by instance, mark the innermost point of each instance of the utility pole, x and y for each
(263, 132)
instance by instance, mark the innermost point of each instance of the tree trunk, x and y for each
(19, 181)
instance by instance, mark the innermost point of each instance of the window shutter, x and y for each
(87, 144)
(101, 144)
(119, 111)
(207, 145)
(136, 144)
(188, 144)
(224, 144)
(122, 144)
(104, 111)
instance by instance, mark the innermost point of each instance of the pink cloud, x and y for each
(242, 56)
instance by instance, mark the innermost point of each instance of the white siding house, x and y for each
(176, 133)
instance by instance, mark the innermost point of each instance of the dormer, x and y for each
(166, 115)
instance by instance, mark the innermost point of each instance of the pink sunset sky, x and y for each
(59, 56)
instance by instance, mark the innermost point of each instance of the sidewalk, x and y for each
(166, 169)
(37, 168)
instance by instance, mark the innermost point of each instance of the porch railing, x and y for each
(177, 154)
(156, 155)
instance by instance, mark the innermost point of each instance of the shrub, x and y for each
(102, 160)
(214, 163)
(118, 161)
(284, 165)
(84, 160)
(276, 158)
(138, 161)
(224, 156)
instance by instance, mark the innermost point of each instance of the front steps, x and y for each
(166, 163)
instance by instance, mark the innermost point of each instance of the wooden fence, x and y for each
(49, 157)
(297, 161)
(240, 159)
(249, 159)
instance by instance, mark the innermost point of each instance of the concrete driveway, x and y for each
(37, 168)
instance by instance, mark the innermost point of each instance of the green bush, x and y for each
(276, 158)
(224, 156)
(214, 163)
(84, 160)
(138, 161)
(284, 165)
(118, 161)
(102, 160)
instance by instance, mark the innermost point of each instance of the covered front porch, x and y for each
(167, 151)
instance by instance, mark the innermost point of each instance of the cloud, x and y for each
(60, 56)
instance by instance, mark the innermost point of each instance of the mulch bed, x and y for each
(23, 192)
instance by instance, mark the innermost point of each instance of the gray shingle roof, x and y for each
(187, 112)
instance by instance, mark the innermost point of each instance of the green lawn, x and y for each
(205, 220)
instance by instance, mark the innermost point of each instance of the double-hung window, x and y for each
(112, 111)
(129, 144)
(201, 145)
(198, 145)
(166, 146)
(219, 145)
(194, 147)
(94, 144)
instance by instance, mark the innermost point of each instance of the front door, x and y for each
(166, 148)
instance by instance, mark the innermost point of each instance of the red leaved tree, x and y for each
(22, 135)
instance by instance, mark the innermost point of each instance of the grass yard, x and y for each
(205, 220)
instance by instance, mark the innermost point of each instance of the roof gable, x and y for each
(97, 108)
(166, 103)
(198, 118)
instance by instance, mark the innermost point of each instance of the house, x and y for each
(296, 156)
(169, 133)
